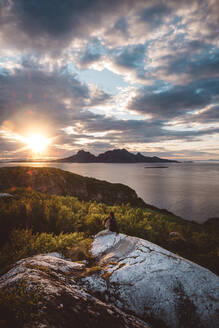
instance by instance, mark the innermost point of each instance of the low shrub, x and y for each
(24, 243)
(35, 223)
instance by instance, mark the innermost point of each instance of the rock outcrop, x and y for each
(131, 284)
(5, 195)
(60, 302)
(156, 285)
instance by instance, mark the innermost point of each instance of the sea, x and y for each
(189, 190)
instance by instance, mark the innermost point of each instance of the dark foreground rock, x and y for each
(45, 294)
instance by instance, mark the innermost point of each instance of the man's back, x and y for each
(111, 224)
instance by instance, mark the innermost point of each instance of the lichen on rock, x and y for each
(131, 283)
(156, 285)
(60, 301)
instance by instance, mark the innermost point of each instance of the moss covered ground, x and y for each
(35, 222)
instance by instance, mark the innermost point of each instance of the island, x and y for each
(113, 156)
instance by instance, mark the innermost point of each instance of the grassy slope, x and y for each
(59, 182)
(64, 223)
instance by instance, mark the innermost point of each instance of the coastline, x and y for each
(72, 203)
(118, 173)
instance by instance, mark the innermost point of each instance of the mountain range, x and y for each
(113, 156)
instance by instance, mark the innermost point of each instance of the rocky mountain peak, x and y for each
(82, 151)
(112, 156)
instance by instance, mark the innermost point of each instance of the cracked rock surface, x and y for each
(158, 286)
(63, 303)
(133, 284)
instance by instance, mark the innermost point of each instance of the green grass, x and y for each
(59, 182)
(23, 243)
(36, 223)
(19, 304)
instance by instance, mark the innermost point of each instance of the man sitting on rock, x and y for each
(110, 223)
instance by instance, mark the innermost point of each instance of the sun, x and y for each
(37, 143)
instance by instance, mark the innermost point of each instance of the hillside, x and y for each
(113, 156)
(72, 221)
(59, 182)
(122, 281)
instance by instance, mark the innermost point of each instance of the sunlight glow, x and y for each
(37, 143)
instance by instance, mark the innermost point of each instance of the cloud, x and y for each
(177, 49)
(31, 97)
(211, 115)
(182, 153)
(155, 15)
(165, 52)
(129, 61)
(176, 100)
(131, 57)
(89, 57)
(34, 99)
(180, 61)
(121, 25)
(118, 34)
(52, 26)
(127, 132)
(91, 53)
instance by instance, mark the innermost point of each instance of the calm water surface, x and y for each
(190, 190)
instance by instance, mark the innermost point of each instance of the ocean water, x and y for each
(190, 190)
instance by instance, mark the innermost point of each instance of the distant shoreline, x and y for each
(111, 156)
(57, 161)
(156, 207)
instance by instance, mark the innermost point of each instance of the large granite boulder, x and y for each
(156, 285)
(131, 283)
(42, 291)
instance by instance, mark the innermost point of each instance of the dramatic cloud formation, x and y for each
(176, 100)
(98, 74)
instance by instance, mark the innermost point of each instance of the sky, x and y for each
(99, 75)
